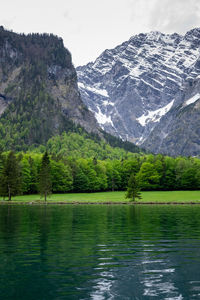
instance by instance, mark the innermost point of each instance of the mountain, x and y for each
(178, 132)
(39, 96)
(144, 89)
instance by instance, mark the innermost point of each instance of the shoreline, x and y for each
(109, 198)
(98, 203)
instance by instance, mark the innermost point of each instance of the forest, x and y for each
(79, 174)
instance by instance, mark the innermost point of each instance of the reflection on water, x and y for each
(99, 252)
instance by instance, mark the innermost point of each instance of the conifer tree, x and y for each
(133, 190)
(10, 183)
(45, 184)
(1, 163)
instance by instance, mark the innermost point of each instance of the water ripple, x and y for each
(99, 253)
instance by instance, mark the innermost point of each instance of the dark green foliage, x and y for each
(61, 173)
(81, 181)
(83, 145)
(35, 47)
(133, 190)
(114, 175)
(33, 188)
(1, 163)
(129, 166)
(29, 169)
(89, 177)
(117, 142)
(26, 175)
(45, 183)
(149, 176)
(34, 114)
(10, 177)
(62, 180)
(31, 121)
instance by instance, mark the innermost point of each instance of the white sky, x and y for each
(88, 27)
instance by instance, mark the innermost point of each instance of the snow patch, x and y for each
(154, 116)
(147, 83)
(192, 100)
(93, 89)
(136, 72)
(140, 140)
(189, 61)
(106, 103)
(102, 119)
(81, 85)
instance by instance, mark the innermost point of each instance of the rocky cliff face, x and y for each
(139, 87)
(178, 132)
(39, 96)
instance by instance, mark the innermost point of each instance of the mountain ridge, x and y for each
(39, 96)
(131, 87)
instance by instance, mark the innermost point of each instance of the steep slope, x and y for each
(130, 88)
(39, 96)
(83, 145)
(178, 132)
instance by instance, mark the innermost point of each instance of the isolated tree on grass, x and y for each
(45, 184)
(133, 190)
(10, 181)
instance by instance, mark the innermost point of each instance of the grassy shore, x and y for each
(114, 197)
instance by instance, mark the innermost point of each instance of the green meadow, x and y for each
(114, 197)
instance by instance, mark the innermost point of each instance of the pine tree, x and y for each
(45, 184)
(1, 163)
(1, 175)
(133, 190)
(10, 183)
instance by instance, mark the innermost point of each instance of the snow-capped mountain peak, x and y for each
(132, 87)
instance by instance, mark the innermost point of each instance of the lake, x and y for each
(99, 252)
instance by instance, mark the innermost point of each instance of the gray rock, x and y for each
(35, 64)
(138, 88)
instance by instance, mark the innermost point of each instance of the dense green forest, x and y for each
(70, 174)
(82, 144)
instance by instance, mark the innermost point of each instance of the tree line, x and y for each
(28, 175)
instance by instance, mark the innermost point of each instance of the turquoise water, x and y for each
(99, 252)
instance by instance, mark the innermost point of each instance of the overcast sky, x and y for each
(88, 27)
